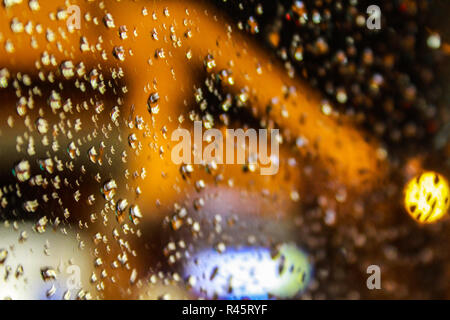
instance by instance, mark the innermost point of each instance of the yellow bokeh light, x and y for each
(427, 197)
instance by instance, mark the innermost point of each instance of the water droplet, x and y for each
(22, 171)
(3, 255)
(109, 21)
(109, 189)
(48, 274)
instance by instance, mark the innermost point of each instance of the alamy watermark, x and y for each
(374, 280)
(74, 18)
(222, 150)
(374, 20)
(73, 282)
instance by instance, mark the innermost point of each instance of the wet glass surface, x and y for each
(99, 200)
